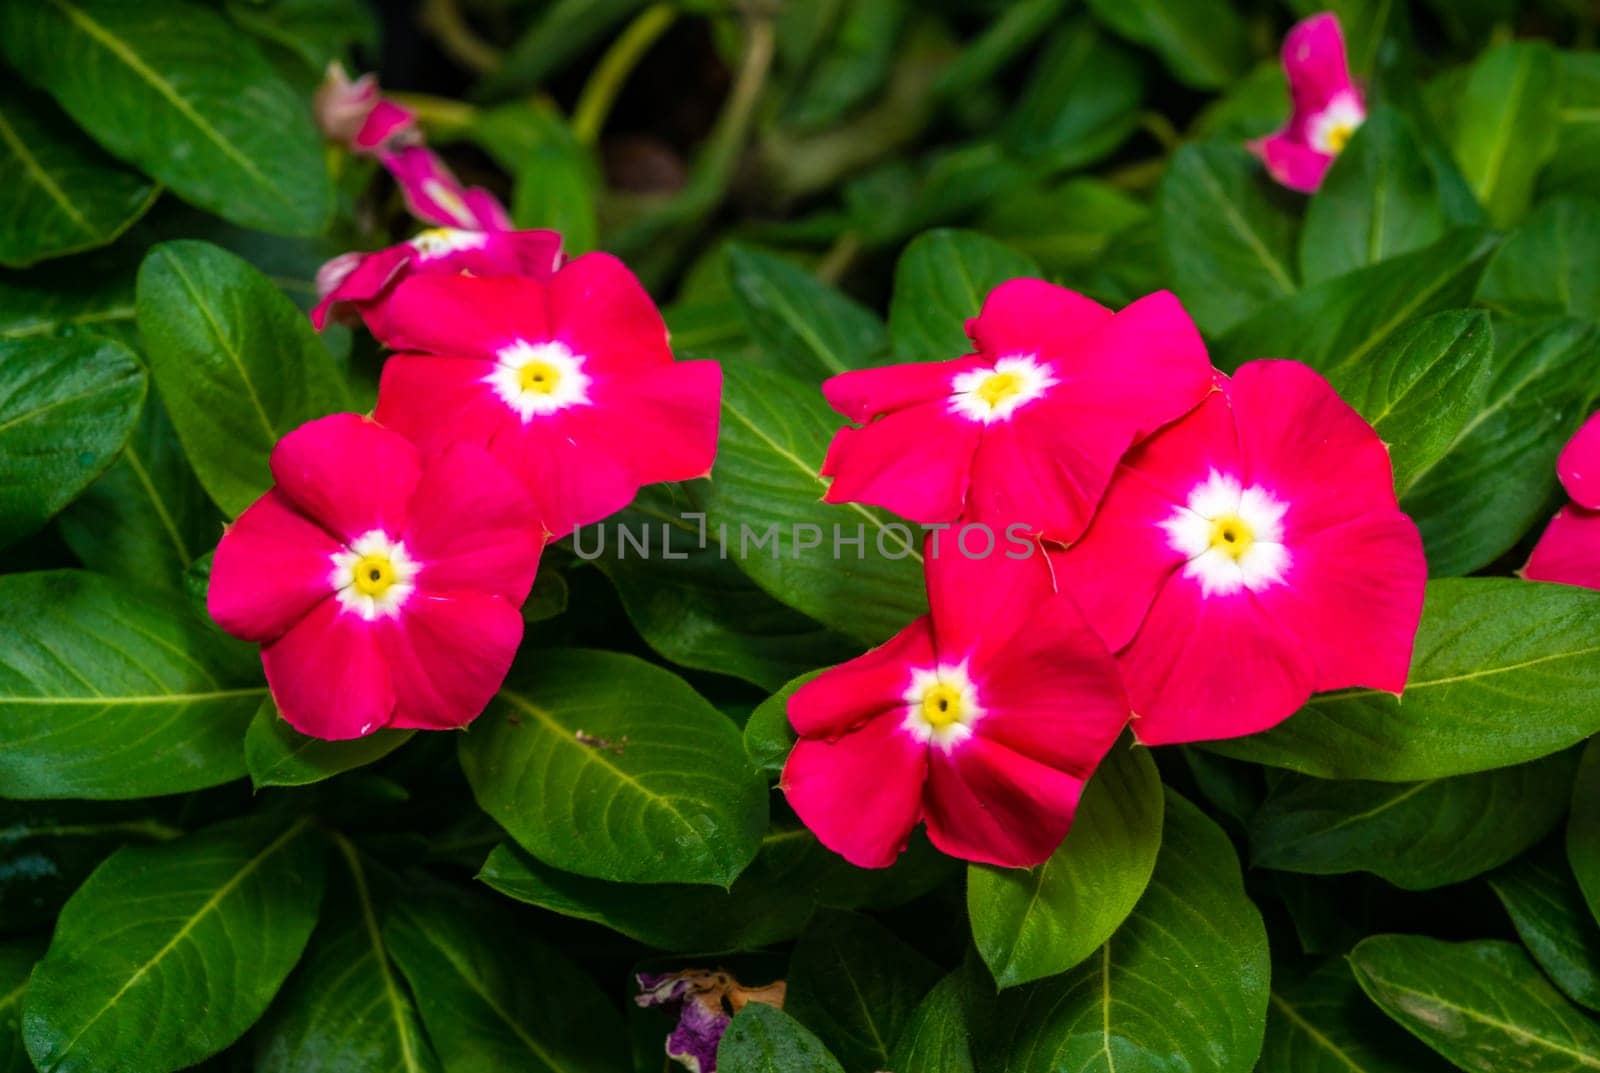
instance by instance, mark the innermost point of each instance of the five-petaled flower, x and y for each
(1250, 555)
(568, 381)
(1028, 430)
(1328, 105)
(1569, 550)
(983, 718)
(383, 584)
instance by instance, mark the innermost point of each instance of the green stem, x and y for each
(611, 73)
(440, 115)
(444, 20)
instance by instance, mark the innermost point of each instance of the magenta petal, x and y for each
(328, 676)
(1293, 163)
(1315, 62)
(860, 794)
(1579, 465)
(1045, 469)
(272, 567)
(385, 122)
(841, 698)
(438, 401)
(431, 191)
(473, 526)
(1031, 316)
(1143, 369)
(347, 473)
(570, 466)
(447, 655)
(601, 311)
(979, 603)
(1569, 550)
(914, 462)
(988, 804)
(863, 394)
(664, 420)
(488, 213)
(1184, 453)
(463, 316)
(342, 283)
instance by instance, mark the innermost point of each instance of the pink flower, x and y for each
(361, 283)
(383, 584)
(1327, 105)
(569, 382)
(983, 718)
(1569, 550)
(435, 196)
(1027, 430)
(1249, 555)
(357, 116)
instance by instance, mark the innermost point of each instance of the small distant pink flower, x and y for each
(1028, 429)
(1569, 550)
(435, 196)
(382, 584)
(1250, 555)
(983, 719)
(356, 115)
(568, 381)
(1328, 105)
(360, 283)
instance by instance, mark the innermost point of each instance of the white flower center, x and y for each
(1231, 535)
(1330, 129)
(536, 379)
(439, 242)
(989, 395)
(374, 576)
(941, 705)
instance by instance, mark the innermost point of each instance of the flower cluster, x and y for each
(1212, 551)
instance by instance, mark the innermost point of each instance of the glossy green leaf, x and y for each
(1417, 835)
(1583, 828)
(58, 192)
(1421, 387)
(1575, 165)
(178, 91)
(1550, 265)
(792, 876)
(1507, 120)
(168, 953)
(1036, 922)
(1183, 984)
(936, 1037)
(492, 997)
(17, 959)
(767, 493)
(1483, 1005)
(1498, 477)
(238, 366)
(1504, 671)
(941, 282)
(64, 297)
(803, 326)
(1081, 102)
(318, 31)
(105, 694)
(66, 408)
(1222, 219)
(1547, 907)
(563, 29)
(1065, 227)
(278, 755)
(1322, 1023)
(764, 1039)
(1341, 322)
(555, 178)
(1202, 41)
(854, 63)
(768, 737)
(855, 984)
(601, 764)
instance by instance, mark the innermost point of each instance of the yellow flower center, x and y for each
(998, 387)
(941, 705)
(1232, 535)
(434, 236)
(1339, 135)
(372, 575)
(540, 376)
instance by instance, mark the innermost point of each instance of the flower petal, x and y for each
(1144, 368)
(1579, 465)
(1183, 454)
(663, 421)
(978, 603)
(570, 467)
(473, 526)
(915, 462)
(863, 394)
(340, 282)
(1292, 162)
(987, 804)
(347, 473)
(842, 697)
(1569, 550)
(1032, 316)
(601, 311)
(860, 794)
(1044, 470)
(1314, 59)
(271, 568)
(464, 316)
(328, 676)
(448, 655)
(438, 401)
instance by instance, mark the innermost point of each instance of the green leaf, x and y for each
(1547, 907)
(1498, 477)
(1341, 322)
(855, 984)
(1036, 922)
(278, 755)
(147, 518)
(17, 959)
(1504, 671)
(1583, 828)
(1549, 265)
(1417, 835)
(564, 29)
(603, 765)
(60, 193)
(1380, 198)
(1202, 41)
(318, 31)
(803, 326)
(176, 90)
(1065, 227)
(853, 64)
(791, 877)
(345, 1008)
(105, 694)
(1483, 1005)
(1081, 102)
(238, 366)
(764, 1039)
(768, 737)
(1221, 220)
(555, 176)
(492, 997)
(1507, 122)
(168, 953)
(765, 503)
(936, 1038)
(64, 297)
(1575, 165)
(940, 282)
(1421, 387)
(66, 408)
(1322, 1023)
(1181, 985)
